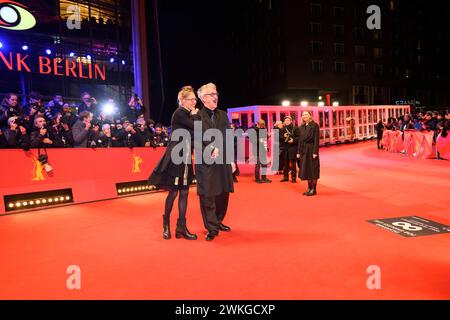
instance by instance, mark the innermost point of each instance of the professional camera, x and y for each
(20, 121)
(12, 112)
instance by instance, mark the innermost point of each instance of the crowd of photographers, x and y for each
(88, 125)
(438, 122)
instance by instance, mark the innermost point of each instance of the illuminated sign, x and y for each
(15, 16)
(52, 66)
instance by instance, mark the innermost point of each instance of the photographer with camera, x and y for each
(68, 116)
(133, 138)
(61, 133)
(40, 137)
(288, 143)
(136, 108)
(159, 138)
(144, 132)
(16, 135)
(56, 105)
(88, 103)
(81, 130)
(9, 108)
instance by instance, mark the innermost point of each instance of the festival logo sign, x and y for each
(15, 16)
(37, 172)
(137, 162)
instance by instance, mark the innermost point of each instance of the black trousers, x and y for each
(214, 210)
(379, 138)
(292, 165)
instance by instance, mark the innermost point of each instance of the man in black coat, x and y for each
(258, 137)
(214, 181)
(289, 141)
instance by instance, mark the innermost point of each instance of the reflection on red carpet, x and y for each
(282, 246)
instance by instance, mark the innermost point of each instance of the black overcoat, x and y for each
(308, 144)
(168, 175)
(214, 179)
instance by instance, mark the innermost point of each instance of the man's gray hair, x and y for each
(202, 89)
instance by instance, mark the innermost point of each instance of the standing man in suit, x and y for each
(215, 180)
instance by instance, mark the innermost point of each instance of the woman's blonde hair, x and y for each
(184, 93)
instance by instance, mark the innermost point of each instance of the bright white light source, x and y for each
(286, 103)
(304, 103)
(321, 104)
(108, 108)
(335, 104)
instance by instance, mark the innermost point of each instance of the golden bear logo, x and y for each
(37, 171)
(137, 162)
(15, 16)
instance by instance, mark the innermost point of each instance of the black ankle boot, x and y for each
(183, 232)
(309, 188)
(166, 228)
(313, 191)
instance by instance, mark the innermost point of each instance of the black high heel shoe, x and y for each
(166, 228)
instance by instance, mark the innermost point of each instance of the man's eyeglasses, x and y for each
(213, 94)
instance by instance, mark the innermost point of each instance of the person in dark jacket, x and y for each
(177, 177)
(289, 141)
(16, 136)
(308, 152)
(81, 130)
(9, 108)
(214, 175)
(379, 127)
(40, 138)
(61, 133)
(88, 103)
(258, 137)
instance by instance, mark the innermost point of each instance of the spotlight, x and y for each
(50, 200)
(108, 108)
(56, 199)
(320, 97)
(119, 191)
(25, 203)
(18, 204)
(31, 203)
(61, 199)
(38, 202)
(321, 104)
(335, 104)
(123, 62)
(72, 54)
(1, 45)
(48, 51)
(304, 103)
(44, 201)
(112, 60)
(11, 205)
(286, 103)
(25, 47)
(67, 198)
(89, 57)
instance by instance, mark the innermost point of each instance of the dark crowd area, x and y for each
(56, 124)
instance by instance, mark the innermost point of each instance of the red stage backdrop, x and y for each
(92, 174)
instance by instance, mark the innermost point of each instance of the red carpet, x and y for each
(283, 245)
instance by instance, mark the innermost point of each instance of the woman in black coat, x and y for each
(177, 177)
(308, 152)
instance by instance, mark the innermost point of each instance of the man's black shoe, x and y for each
(210, 236)
(223, 227)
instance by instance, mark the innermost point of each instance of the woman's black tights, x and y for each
(182, 206)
